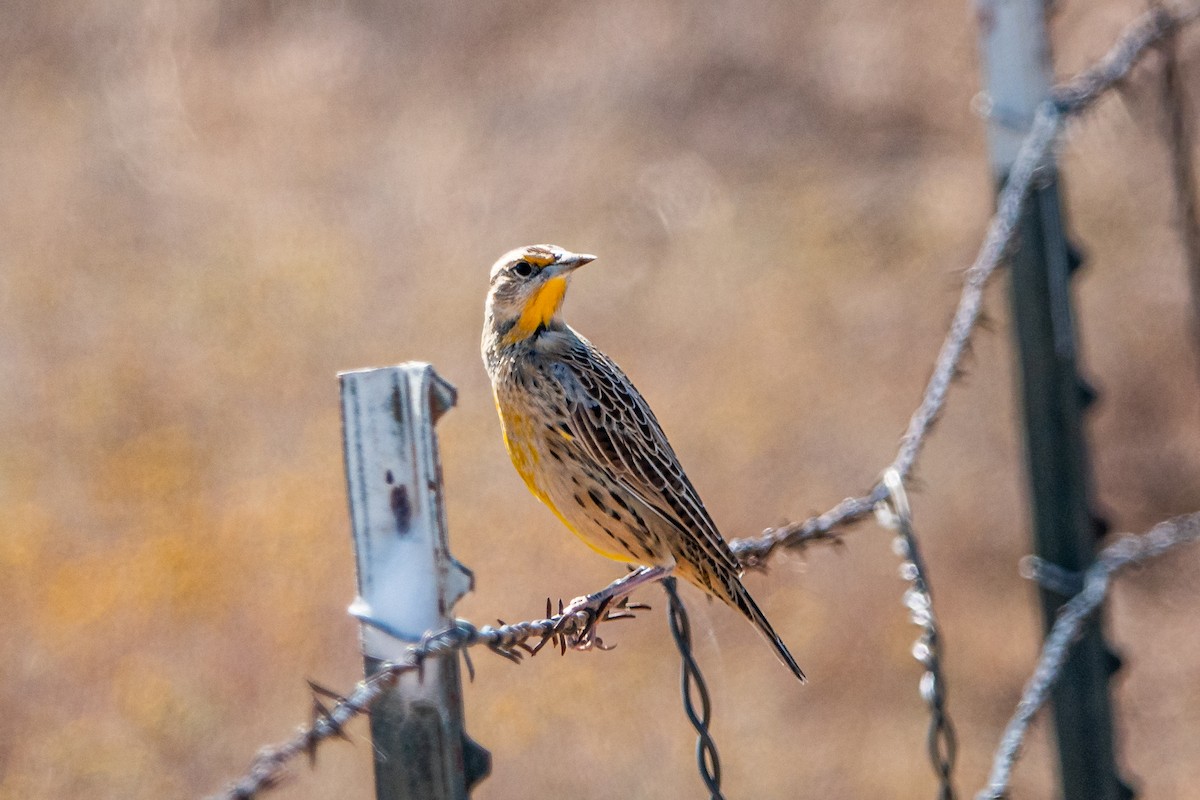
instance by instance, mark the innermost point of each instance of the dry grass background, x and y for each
(211, 207)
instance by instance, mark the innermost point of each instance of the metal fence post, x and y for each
(408, 582)
(1016, 59)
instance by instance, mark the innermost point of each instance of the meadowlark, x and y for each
(587, 444)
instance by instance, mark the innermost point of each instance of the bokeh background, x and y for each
(212, 207)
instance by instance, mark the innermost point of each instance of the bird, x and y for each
(586, 443)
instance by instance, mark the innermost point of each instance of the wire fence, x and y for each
(1126, 550)
(577, 629)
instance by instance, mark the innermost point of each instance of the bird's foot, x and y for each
(575, 623)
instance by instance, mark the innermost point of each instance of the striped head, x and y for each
(526, 294)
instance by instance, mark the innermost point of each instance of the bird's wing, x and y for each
(614, 426)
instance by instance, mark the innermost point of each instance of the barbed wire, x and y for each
(1069, 99)
(577, 629)
(1128, 549)
(1001, 229)
(572, 630)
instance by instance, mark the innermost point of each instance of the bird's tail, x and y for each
(745, 603)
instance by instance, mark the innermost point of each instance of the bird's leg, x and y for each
(597, 603)
(622, 587)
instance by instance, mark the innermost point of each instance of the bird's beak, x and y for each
(568, 263)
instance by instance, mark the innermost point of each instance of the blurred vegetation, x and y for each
(211, 207)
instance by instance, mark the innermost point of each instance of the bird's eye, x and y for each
(523, 268)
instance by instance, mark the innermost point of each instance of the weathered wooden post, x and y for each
(408, 582)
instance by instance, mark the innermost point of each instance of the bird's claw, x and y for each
(582, 614)
(575, 624)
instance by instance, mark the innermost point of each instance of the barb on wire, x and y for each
(706, 749)
(896, 514)
(571, 630)
(1128, 549)
(1069, 99)
(753, 552)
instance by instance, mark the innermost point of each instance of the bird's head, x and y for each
(527, 289)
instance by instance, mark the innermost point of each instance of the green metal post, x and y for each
(1016, 56)
(1065, 529)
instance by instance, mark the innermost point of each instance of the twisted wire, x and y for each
(509, 641)
(1069, 99)
(755, 551)
(942, 746)
(1128, 549)
(707, 760)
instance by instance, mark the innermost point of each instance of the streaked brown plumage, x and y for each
(586, 442)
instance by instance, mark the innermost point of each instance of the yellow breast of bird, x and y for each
(548, 477)
(522, 448)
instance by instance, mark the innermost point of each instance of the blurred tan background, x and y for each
(212, 207)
